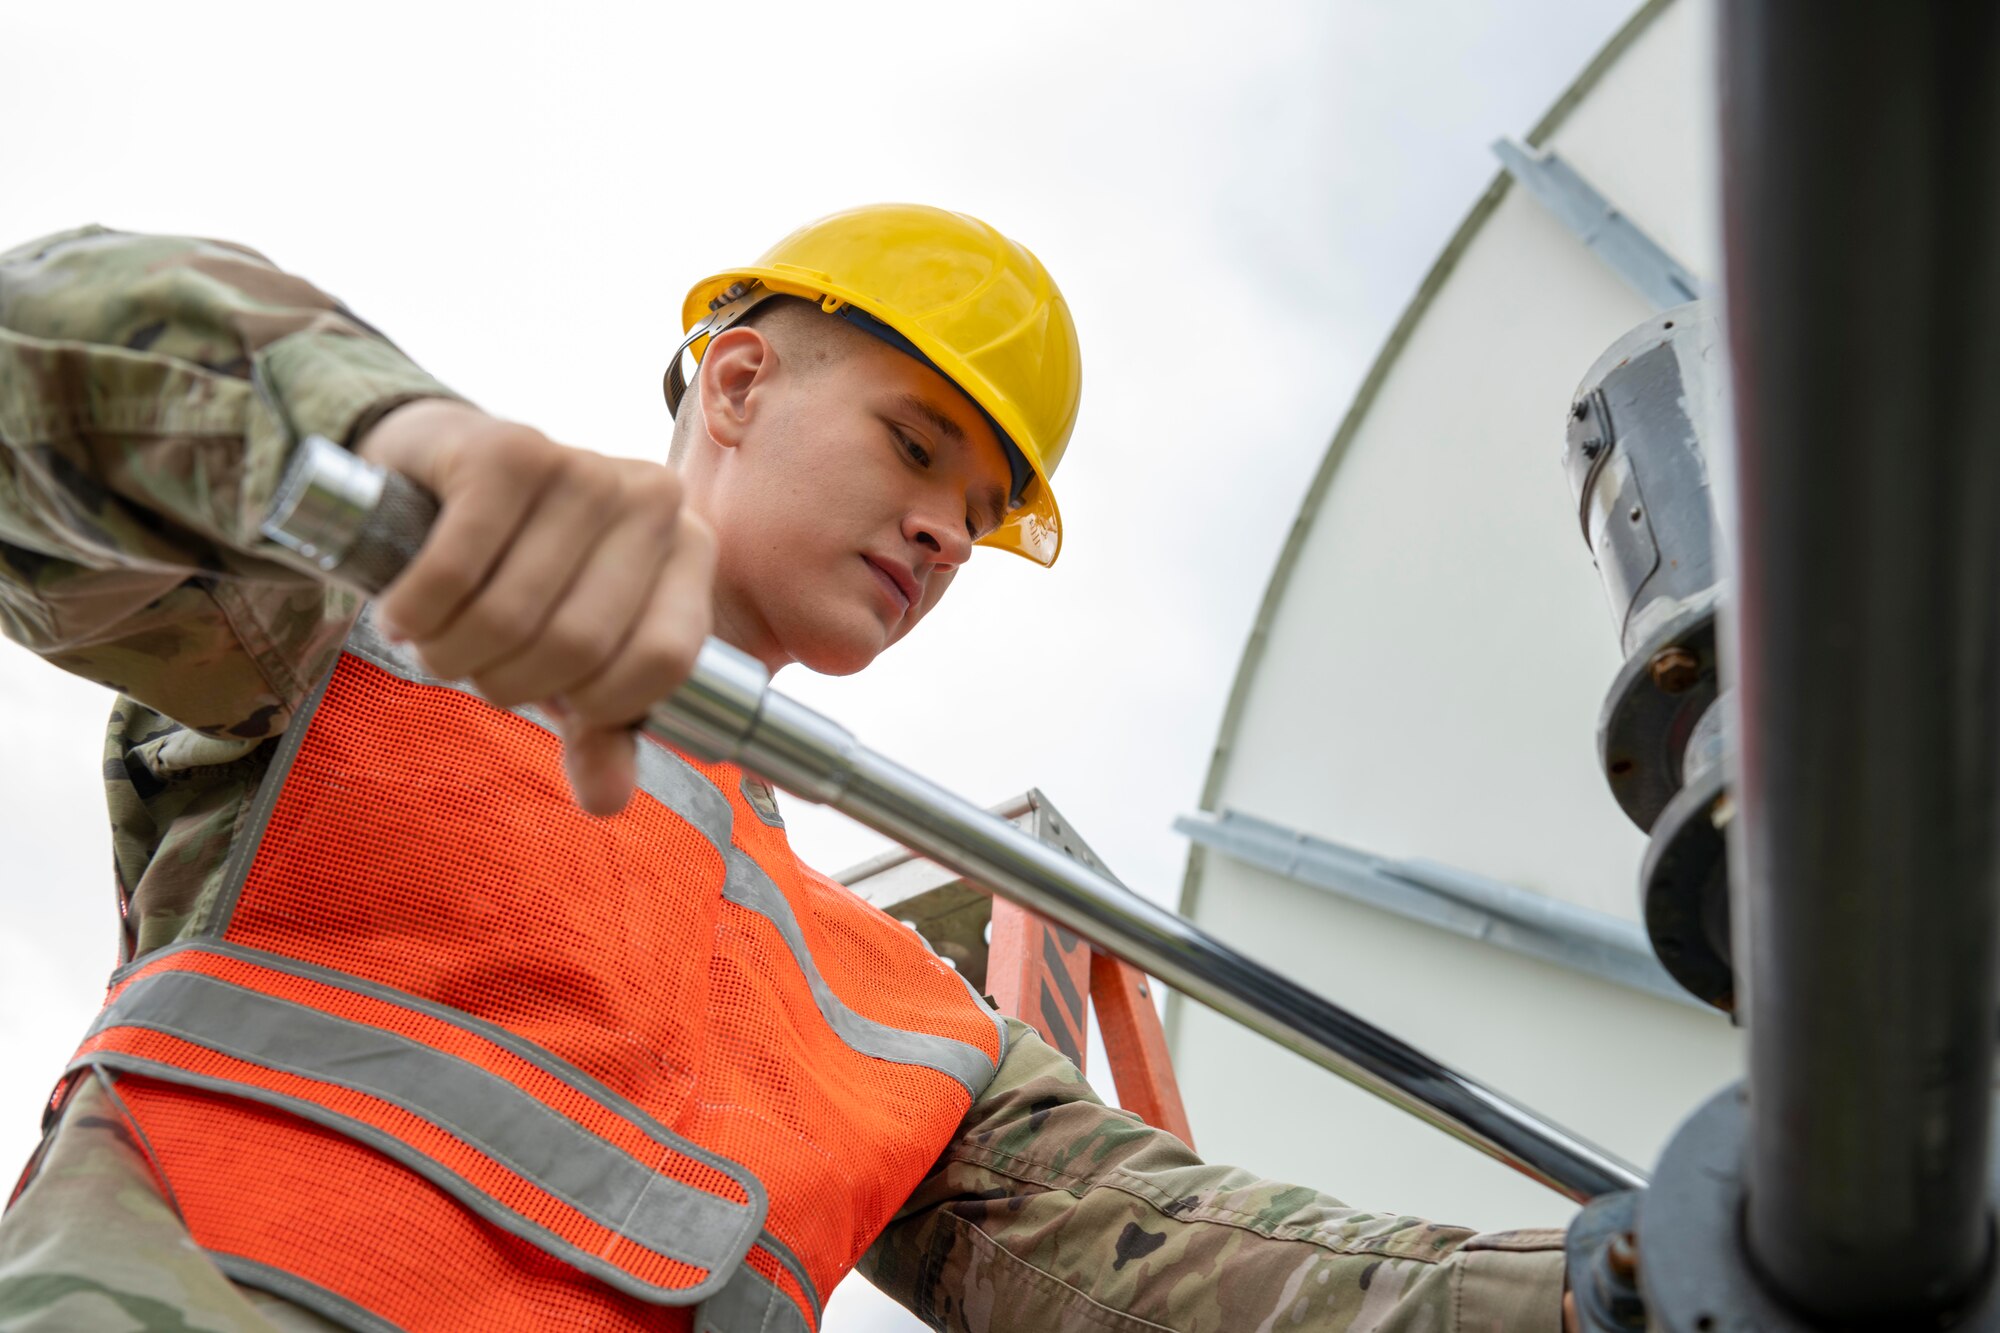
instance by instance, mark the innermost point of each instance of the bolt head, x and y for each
(1623, 1254)
(1675, 670)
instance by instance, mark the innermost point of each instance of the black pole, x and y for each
(1861, 152)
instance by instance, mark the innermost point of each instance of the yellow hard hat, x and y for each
(955, 293)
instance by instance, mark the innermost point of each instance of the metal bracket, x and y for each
(1459, 901)
(1613, 237)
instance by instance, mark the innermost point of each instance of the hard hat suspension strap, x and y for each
(739, 300)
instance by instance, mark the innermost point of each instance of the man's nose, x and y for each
(943, 537)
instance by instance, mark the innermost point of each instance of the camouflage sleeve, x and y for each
(1052, 1211)
(151, 388)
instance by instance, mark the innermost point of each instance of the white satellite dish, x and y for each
(1405, 809)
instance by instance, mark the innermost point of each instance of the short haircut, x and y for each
(808, 340)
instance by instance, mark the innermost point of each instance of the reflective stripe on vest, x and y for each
(232, 1002)
(516, 1132)
(750, 1302)
(749, 887)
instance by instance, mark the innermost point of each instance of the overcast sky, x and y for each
(1236, 199)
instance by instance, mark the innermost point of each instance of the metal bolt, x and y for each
(1622, 1301)
(1592, 447)
(1722, 811)
(1623, 1255)
(1675, 670)
(1580, 409)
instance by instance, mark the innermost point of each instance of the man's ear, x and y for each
(735, 369)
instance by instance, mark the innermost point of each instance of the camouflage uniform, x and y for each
(149, 391)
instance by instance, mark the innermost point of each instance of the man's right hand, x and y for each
(553, 576)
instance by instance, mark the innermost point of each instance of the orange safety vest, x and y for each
(449, 1054)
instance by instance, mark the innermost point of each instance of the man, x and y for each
(401, 1038)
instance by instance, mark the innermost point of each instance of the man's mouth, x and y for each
(897, 582)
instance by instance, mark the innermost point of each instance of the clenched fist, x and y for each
(553, 576)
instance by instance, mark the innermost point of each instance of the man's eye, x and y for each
(918, 454)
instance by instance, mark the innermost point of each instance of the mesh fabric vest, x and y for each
(451, 1055)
